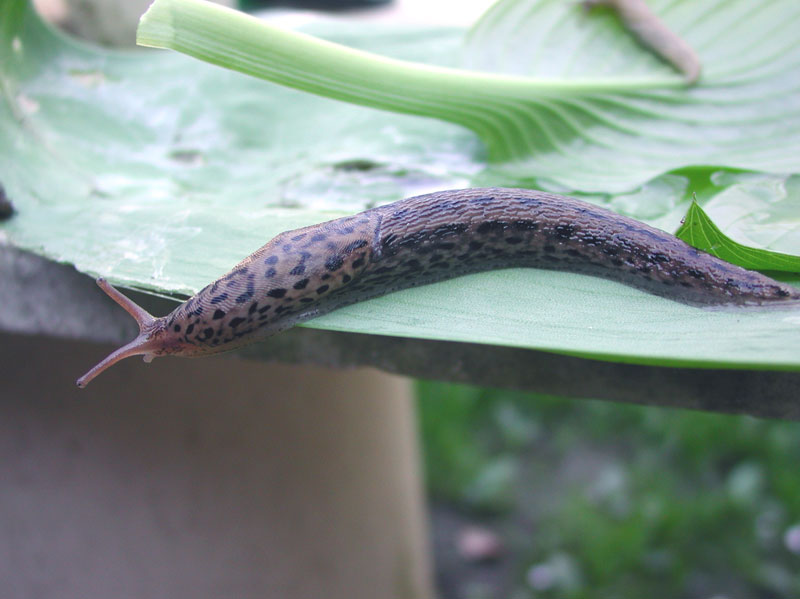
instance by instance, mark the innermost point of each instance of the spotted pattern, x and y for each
(303, 273)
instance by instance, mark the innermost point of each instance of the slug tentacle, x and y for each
(308, 272)
(145, 342)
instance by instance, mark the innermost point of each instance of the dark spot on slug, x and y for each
(322, 289)
(220, 298)
(298, 237)
(334, 263)
(355, 245)
(306, 300)
(244, 297)
(235, 322)
(282, 309)
(301, 284)
(276, 292)
(207, 333)
(564, 231)
(659, 257)
(177, 328)
(298, 270)
(358, 263)
(264, 309)
(319, 237)
(491, 225)
(271, 272)
(325, 277)
(271, 260)
(287, 247)
(218, 314)
(693, 272)
(346, 278)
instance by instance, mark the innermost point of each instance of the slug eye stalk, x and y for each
(143, 344)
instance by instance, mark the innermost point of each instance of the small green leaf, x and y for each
(700, 231)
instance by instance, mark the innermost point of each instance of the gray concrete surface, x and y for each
(205, 479)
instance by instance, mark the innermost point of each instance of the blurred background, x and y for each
(537, 497)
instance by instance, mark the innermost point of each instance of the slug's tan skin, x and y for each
(307, 272)
(654, 34)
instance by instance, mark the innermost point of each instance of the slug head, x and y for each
(146, 343)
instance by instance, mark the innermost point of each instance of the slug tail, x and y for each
(143, 344)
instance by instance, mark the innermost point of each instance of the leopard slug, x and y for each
(303, 273)
(654, 34)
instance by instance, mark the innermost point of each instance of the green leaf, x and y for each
(742, 114)
(701, 232)
(559, 96)
(161, 172)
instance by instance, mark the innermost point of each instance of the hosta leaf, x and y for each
(744, 113)
(701, 232)
(560, 96)
(161, 172)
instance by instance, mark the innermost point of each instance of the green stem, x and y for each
(482, 102)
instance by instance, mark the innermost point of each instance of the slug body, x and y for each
(654, 34)
(307, 272)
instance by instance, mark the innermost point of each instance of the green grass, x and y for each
(619, 501)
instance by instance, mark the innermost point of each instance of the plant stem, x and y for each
(492, 105)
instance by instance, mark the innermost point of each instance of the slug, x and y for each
(303, 273)
(653, 33)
